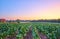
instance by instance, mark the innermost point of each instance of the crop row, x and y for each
(19, 30)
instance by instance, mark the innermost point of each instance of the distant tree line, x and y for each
(52, 20)
(18, 21)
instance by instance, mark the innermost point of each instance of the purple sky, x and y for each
(30, 9)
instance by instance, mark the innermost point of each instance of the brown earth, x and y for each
(59, 37)
(10, 37)
(42, 36)
(29, 35)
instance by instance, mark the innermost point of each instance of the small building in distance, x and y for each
(2, 20)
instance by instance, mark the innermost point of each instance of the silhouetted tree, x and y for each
(58, 20)
(18, 21)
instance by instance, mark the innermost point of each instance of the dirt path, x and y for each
(42, 36)
(59, 37)
(29, 34)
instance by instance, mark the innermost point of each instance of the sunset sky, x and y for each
(29, 9)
